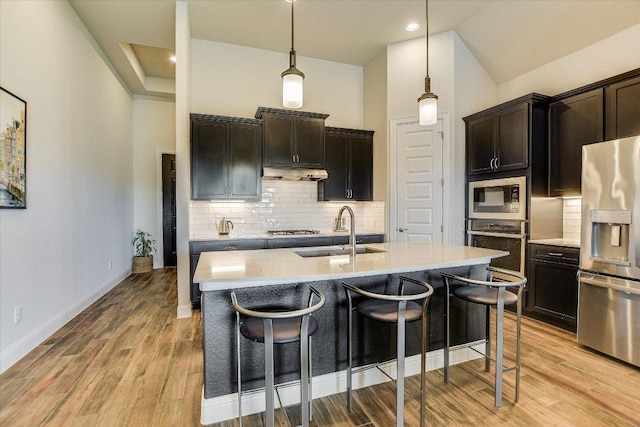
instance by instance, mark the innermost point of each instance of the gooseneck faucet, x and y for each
(352, 230)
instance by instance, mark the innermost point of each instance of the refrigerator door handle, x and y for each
(606, 284)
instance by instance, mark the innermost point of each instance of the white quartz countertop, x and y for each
(571, 243)
(238, 269)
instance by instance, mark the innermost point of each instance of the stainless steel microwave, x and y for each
(504, 198)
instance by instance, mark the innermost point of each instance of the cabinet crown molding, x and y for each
(268, 110)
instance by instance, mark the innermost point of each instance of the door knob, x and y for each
(402, 229)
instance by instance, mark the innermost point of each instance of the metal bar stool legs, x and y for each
(489, 293)
(398, 309)
(278, 328)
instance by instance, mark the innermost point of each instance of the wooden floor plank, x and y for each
(128, 361)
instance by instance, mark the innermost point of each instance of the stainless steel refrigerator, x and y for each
(609, 292)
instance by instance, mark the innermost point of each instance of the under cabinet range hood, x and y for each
(294, 174)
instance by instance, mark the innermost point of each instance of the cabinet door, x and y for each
(480, 145)
(573, 122)
(208, 160)
(335, 187)
(278, 137)
(244, 161)
(554, 290)
(623, 109)
(512, 138)
(309, 142)
(360, 179)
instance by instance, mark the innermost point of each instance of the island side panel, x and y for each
(373, 341)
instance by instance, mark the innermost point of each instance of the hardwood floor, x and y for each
(127, 360)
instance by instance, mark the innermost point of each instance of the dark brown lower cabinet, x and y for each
(553, 284)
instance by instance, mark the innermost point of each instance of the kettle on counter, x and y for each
(224, 226)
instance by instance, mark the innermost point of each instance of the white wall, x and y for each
(462, 86)
(154, 133)
(183, 175)
(614, 55)
(375, 119)
(233, 80)
(55, 255)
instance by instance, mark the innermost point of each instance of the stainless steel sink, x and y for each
(337, 251)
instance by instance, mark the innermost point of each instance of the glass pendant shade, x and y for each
(292, 90)
(428, 108)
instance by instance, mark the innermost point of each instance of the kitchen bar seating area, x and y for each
(129, 343)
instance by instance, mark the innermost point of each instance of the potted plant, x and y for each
(143, 245)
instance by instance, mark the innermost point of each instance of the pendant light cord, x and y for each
(292, 54)
(427, 80)
(427, 30)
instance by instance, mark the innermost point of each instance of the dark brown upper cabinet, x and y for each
(623, 108)
(608, 109)
(507, 137)
(349, 163)
(292, 139)
(226, 154)
(573, 122)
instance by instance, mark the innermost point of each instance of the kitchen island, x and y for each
(279, 278)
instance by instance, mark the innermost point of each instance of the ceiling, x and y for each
(508, 37)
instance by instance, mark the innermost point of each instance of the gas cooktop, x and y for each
(291, 232)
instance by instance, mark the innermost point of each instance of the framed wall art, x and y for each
(13, 151)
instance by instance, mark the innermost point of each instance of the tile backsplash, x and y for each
(284, 205)
(571, 218)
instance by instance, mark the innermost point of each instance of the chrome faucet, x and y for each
(352, 230)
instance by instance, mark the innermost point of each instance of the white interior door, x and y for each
(419, 185)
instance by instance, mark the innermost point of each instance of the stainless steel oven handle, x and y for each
(607, 285)
(490, 234)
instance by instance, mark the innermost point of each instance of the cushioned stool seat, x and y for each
(284, 330)
(387, 311)
(485, 296)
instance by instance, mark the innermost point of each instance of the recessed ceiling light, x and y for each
(172, 58)
(412, 26)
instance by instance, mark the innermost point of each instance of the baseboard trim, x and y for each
(183, 311)
(226, 407)
(22, 347)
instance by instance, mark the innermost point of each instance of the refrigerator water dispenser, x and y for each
(610, 236)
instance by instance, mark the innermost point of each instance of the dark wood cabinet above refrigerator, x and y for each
(292, 139)
(608, 109)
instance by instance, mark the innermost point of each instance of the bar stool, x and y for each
(279, 328)
(490, 293)
(398, 309)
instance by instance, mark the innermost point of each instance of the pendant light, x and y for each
(292, 78)
(428, 102)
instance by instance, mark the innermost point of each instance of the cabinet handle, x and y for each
(293, 158)
(555, 254)
(297, 159)
(491, 163)
(497, 162)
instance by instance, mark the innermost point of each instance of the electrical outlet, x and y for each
(17, 314)
(110, 265)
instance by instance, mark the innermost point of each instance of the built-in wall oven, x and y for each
(502, 235)
(497, 213)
